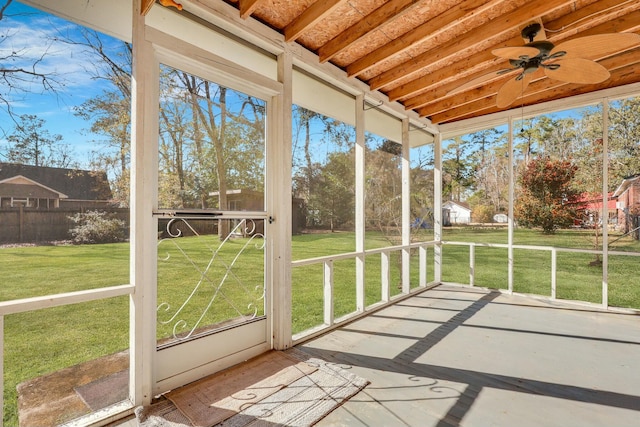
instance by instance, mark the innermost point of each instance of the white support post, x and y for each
(554, 266)
(360, 184)
(328, 293)
(406, 207)
(605, 203)
(437, 208)
(423, 266)
(143, 234)
(279, 205)
(511, 219)
(472, 264)
(385, 275)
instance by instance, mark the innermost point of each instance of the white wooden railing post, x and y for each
(385, 276)
(423, 266)
(554, 264)
(472, 264)
(328, 292)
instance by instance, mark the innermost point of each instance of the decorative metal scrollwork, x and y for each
(216, 276)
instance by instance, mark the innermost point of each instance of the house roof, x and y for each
(593, 202)
(75, 184)
(462, 205)
(624, 185)
(22, 180)
(418, 51)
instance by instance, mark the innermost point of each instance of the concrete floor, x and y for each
(460, 356)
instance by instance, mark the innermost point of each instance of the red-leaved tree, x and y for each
(546, 195)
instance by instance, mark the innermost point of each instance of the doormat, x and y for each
(276, 388)
(105, 391)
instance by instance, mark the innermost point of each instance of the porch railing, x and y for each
(554, 262)
(330, 321)
(49, 301)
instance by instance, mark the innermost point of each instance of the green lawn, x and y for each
(577, 278)
(48, 340)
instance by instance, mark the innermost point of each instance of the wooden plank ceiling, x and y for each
(418, 51)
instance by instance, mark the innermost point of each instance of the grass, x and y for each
(186, 273)
(576, 278)
(48, 340)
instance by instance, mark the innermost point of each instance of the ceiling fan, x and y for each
(571, 61)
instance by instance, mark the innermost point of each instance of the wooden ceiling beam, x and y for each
(247, 7)
(484, 60)
(435, 94)
(444, 21)
(540, 86)
(628, 75)
(421, 90)
(599, 12)
(145, 6)
(622, 72)
(468, 97)
(310, 17)
(487, 63)
(379, 17)
(449, 76)
(497, 26)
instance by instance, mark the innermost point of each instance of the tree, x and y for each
(624, 139)
(109, 112)
(334, 197)
(383, 194)
(32, 144)
(546, 194)
(323, 168)
(19, 73)
(457, 173)
(212, 139)
(489, 163)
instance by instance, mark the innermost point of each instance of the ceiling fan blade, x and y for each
(512, 90)
(597, 46)
(516, 52)
(578, 70)
(479, 80)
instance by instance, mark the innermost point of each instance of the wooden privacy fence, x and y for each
(25, 225)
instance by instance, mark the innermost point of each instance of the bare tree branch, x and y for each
(19, 79)
(4, 7)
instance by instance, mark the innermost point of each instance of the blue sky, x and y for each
(30, 33)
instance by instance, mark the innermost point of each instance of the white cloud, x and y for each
(34, 38)
(28, 36)
(31, 46)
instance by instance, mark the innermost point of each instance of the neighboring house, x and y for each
(41, 187)
(628, 203)
(251, 200)
(589, 209)
(458, 212)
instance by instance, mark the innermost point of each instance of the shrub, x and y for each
(97, 227)
(483, 213)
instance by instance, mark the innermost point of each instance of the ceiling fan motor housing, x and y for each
(530, 31)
